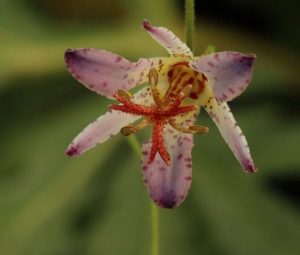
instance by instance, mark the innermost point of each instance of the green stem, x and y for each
(190, 23)
(155, 229)
(134, 143)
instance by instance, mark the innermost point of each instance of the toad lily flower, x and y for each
(177, 87)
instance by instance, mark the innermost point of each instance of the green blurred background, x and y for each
(97, 204)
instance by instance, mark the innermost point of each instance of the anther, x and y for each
(153, 76)
(131, 129)
(185, 92)
(128, 130)
(199, 129)
(153, 80)
(191, 129)
(124, 94)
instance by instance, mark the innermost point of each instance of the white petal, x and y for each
(168, 39)
(231, 132)
(105, 72)
(168, 186)
(229, 73)
(105, 127)
(99, 131)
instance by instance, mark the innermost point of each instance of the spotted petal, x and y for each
(105, 127)
(105, 72)
(231, 132)
(168, 40)
(99, 131)
(229, 73)
(169, 185)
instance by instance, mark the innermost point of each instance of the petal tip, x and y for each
(252, 55)
(68, 54)
(69, 50)
(147, 25)
(167, 203)
(72, 151)
(249, 167)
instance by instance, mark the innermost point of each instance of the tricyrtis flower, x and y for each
(177, 87)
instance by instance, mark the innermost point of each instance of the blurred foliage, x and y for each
(82, 11)
(96, 204)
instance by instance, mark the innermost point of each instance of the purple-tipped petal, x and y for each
(105, 127)
(229, 73)
(105, 72)
(99, 131)
(168, 39)
(168, 186)
(231, 132)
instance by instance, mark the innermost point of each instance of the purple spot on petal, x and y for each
(188, 159)
(147, 25)
(188, 178)
(231, 90)
(169, 204)
(224, 96)
(72, 151)
(249, 166)
(179, 156)
(211, 64)
(118, 59)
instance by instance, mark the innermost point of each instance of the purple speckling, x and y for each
(188, 178)
(231, 90)
(216, 56)
(179, 156)
(211, 64)
(249, 166)
(72, 151)
(118, 59)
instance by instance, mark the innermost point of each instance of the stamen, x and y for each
(128, 130)
(123, 94)
(131, 129)
(199, 129)
(185, 92)
(153, 76)
(153, 80)
(179, 128)
(191, 129)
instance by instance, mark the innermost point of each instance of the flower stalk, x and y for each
(190, 23)
(154, 229)
(135, 145)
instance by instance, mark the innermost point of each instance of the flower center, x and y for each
(181, 75)
(165, 110)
